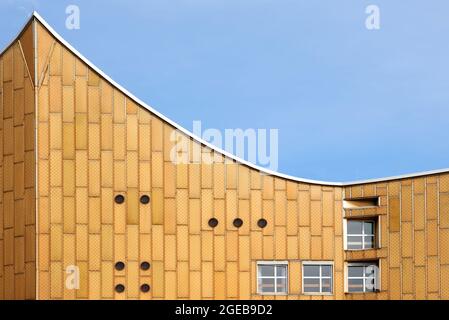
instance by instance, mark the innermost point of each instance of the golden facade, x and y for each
(72, 141)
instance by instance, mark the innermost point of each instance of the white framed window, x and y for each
(360, 234)
(272, 277)
(317, 277)
(362, 277)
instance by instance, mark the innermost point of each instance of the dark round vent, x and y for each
(119, 266)
(145, 265)
(145, 287)
(145, 199)
(237, 222)
(262, 223)
(119, 199)
(213, 222)
(119, 288)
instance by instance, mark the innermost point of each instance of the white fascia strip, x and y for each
(200, 140)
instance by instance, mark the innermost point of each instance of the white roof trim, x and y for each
(188, 133)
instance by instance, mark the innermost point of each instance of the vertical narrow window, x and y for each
(362, 277)
(272, 277)
(360, 234)
(317, 277)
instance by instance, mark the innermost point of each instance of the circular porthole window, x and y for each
(119, 266)
(238, 222)
(119, 288)
(145, 287)
(145, 265)
(213, 222)
(262, 223)
(119, 199)
(144, 199)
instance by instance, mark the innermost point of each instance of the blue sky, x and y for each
(349, 103)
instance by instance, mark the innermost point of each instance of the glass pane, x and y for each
(370, 270)
(266, 271)
(369, 242)
(354, 242)
(266, 285)
(281, 285)
(354, 227)
(326, 271)
(326, 285)
(370, 284)
(311, 271)
(369, 227)
(355, 271)
(355, 285)
(281, 271)
(312, 285)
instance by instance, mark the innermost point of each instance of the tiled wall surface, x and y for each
(17, 169)
(94, 143)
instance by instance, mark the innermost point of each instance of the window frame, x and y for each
(364, 277)
(318, 263)
(275, 277)
(376, 234)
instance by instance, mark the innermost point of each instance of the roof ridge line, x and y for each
(52, 31)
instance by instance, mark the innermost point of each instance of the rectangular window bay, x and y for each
(272, 277)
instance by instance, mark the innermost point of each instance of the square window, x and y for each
(360, 234)
(272, 278)
(317, 277)
(362, 277)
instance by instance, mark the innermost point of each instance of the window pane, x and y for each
(281, 271)
(312, 285)
(369, 242)
(355, 271)
(326, 271)
(354, 227)
(266, 284)
(354, 242)
(370, 270)
(370, 284)
(311, 271)
(355, 285)
(369, 227)
(326, 285)
(266, 271)
(281, 285)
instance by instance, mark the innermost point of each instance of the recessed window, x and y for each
(238, 223)
(119, 199)
(119, 266)
(145, 287)
(272, 278)
(145, 265)
(213, 222)
(119, 288)
(361, 203)
(362, 277)
(360, 234)
(317, 277)
(262, 223)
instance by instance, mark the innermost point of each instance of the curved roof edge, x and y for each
(36, 16)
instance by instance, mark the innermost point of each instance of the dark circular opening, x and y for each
(119, 266)
(145, 287)
(119, 288)
(238, 223)
(145, 265)
(144, 199)
(213, 222)
(119, 199)
(262, 223)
